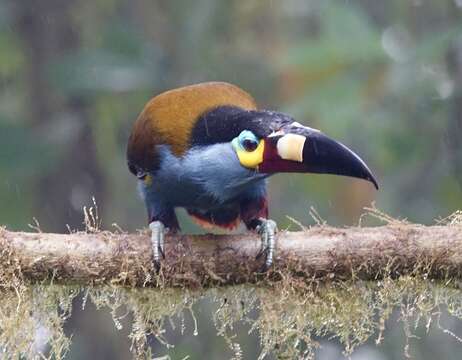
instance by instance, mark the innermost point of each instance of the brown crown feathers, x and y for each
(169, 118)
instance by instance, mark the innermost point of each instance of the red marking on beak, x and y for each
(321, 155)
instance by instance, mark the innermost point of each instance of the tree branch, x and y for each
(204, 260)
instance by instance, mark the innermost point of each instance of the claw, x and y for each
(157, 242)
(267, 230)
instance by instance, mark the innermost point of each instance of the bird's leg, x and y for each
(157, 242)
(267, 230)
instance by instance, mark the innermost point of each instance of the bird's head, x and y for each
(264, 142)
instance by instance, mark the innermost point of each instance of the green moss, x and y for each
(287, 317)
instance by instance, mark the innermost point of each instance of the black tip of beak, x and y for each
(373, 181)
(324, 155)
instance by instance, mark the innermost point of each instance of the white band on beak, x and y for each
(290, 147)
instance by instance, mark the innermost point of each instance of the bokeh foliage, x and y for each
(384, 77)
(375, 76)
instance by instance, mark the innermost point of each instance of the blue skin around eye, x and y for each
(244, 135)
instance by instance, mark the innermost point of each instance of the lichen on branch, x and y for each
(98, 257)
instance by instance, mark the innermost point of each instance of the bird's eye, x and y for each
(249, 145)
(248, 141)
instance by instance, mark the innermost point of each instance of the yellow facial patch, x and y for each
(251, 159)
(290, 147)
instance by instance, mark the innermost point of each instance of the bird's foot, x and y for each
(157, 242)
(267, 230)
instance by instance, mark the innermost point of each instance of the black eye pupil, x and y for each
(249, 145)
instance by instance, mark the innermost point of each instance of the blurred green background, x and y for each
(383, 77)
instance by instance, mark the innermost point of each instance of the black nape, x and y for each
(224, 123)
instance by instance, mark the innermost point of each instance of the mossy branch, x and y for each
(322, 251)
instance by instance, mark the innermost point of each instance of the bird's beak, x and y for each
(302, 149)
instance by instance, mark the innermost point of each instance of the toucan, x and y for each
(207, 148)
